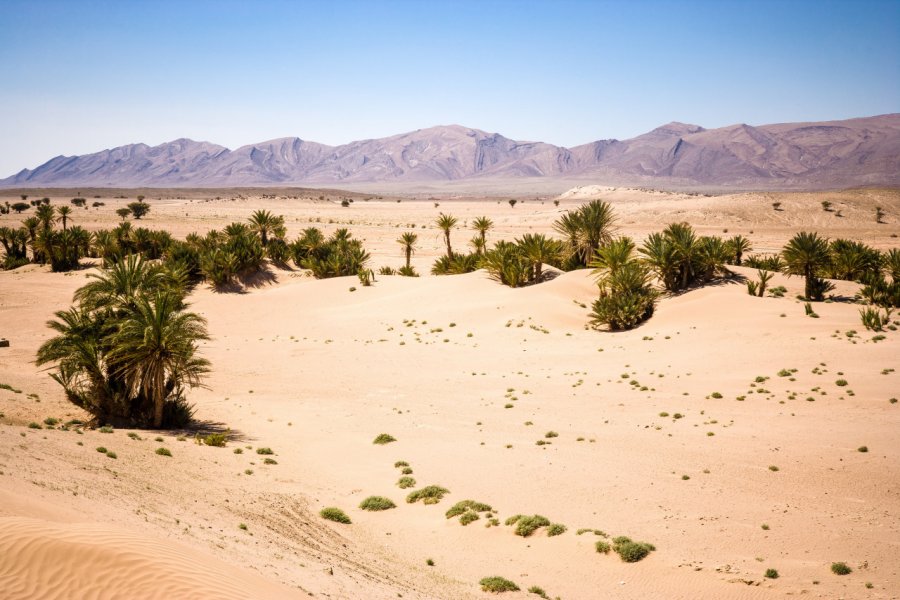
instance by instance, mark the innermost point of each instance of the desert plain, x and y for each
(716, 431)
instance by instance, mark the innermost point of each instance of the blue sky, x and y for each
(80, 76)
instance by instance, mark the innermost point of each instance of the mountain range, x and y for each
(852, 152)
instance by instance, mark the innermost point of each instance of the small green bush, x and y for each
(376, 503)
(102, 450)
(840, 568)
(771, 574)
(630, 551)
(112, 454)
(498, 584)
(556, 529)
(863, 449)
(384, 438)
(163, 452)
(841, 382)
(335, 514)
(468, 517)
(34, 425)
(270, 461)
(400, 463)
(464, 505)
(527, 524)
(264, 451)
(216, 439)
(602, 547)
(431, 494)
(406, 482)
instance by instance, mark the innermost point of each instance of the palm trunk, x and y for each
(449, 249)
(408, 255)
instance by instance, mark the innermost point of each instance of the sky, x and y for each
(81, 76)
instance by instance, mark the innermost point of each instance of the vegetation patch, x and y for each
(631, 551)
(840, 568)
(526, 525)
(335, 514)
(497, 585)
(430, 494)
(384, 438)
(376, 503)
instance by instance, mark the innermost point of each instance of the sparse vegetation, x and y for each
(377, 503)
(497, 585)
(431, 494)
(335, 514)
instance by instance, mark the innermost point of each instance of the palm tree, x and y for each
(265, 223)
(120, 285)
(587, 228)
(538, 249)
(686, 246)
(660, 255)
(739, 245)
(155, 350)
(64, 215)
(806, 254)
(45, 214)
(408, 241)
(611, 257)
(482, 225)
(446, 223)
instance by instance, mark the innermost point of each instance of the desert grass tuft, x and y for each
(335, 514)
(377, 503)
(430, 494)
(497, 585)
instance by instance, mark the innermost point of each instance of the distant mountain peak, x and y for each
(863, 151)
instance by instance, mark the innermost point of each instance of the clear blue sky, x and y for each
(81, 76)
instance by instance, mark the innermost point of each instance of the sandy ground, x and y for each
(468, 375)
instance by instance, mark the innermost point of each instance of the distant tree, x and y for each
(776, 205)
(65, 213)
(446, 223)
(879, 214)
(78, 201)
(738, 246)
(807, 254)
(556, 203)
(123, 212)
(482, 225)
(512, 202)
(265, 224)
(139, 209)
(140, 198)
(408, 242)
(19, 207)
(24, 197)
(826, 205)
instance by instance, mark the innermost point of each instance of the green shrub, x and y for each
(102, 450)
(771, 574)
(34, 425)
(335, 514)
(270, 461)
(431, 494)
(164, 452)
(468, 517)
(376, 503)
(264, 451)
(498, 584)
(602, 547)
(539, 591)
(216, 439)
(406, 482)
(840, 382)
(862, 449)
(556, 529)
(384, 438)
(527, 524)
(464, 505)
(400, 463)
(630, 551)
(111, 454)
(840, 568)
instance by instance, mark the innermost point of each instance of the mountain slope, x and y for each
(813, 155)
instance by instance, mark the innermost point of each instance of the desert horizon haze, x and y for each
(864, 151)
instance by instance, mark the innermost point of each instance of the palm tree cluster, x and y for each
(627, 297)
(584, 230)
(680, 258)
(521, 262)
(337, 256)
(126, 351)
(456, 263)
(817, 259)
(61, 248)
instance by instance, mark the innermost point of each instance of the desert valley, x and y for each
(381, 436)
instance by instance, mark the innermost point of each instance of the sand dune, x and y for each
(43, 560)
(469, 375)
